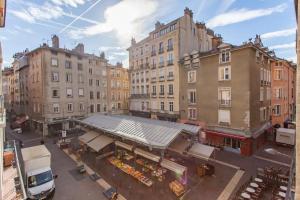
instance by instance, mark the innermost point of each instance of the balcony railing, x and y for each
(153, 94)
(153, 66)
(153, 79)
(170, 78)
(147, 65)
(161, 50)
(161, 64)
(139, 96)
(161, 94)
(161, 78)
(153, 53)
(224, 103)
(170, 48)
(170, 62)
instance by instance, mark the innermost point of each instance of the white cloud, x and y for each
(109, 48)
(126, 19)
(73, 3)
(240, 15)
(281, 33)
(294, 59)
(22, 14)
(284, 46)
(22, 29)
(225, 5)
(3, 38)
(123, 53)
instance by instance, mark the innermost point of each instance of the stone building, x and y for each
(228, 92)
(118, 89)
(154, 68)
(283, 92)
(7, 82)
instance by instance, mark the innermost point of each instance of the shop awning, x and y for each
(201, 151)
(100, 142)
(170, 165)
(88, 136)
(179, 145)
(124, 145)
(147, 155)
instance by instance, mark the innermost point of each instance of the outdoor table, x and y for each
(245, 195)
(282, 194)
(283, 188)
(249, 189)
(254, 185)
(258, 180)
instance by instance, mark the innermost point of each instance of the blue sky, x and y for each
(108, 25)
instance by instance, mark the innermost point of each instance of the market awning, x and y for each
(124, 145)
(177, 168)
(179, 145)
(100, 142)
(88, 136)
(147, 155)
(201, 151)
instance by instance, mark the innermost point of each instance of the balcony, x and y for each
(161, 94)
(161, 78)
(170, 78)
(161, 50)
(170, 48)
(139, 96)
(153, 94)
(147, 66)
(170, 62)
(170, 95)
(153, 79)
(224, 103)
(153, 53)
(153, 66)
(161, 64)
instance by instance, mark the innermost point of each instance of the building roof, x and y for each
(149, 132)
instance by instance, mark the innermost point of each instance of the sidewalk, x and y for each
(101, 182)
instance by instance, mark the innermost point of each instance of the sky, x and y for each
(109, 25)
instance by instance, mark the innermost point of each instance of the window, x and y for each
(98, 107)
(80, 68)
(162, 106)
(170, 44)
(98, 95)
(278, 74)
(161, 61)
(171, 106)
(224, 96)
(54, 62)
(263, 113)
(192, 113)
(80, 92)
(55, 77)
(268, 94)
(70, 107)
(69, 92)
(191, 76)
(192, 96)
(224, 73)
(162, 90)
(68, 64)
(261, 94)
(92, 108)
(277, 110)
(90, 71)
(69, 78)
(278, 93)
(170, 59)
(171, 89)
(90, 82)
(153, 89)
(55, 93)
(161, 47)
(55, 108)
(80, 78)
(224, 116)
(97, 82)
(225, 56)
(81, 106)
(91, 95)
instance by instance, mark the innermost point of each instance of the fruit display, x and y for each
(130, 170)
(177, 188)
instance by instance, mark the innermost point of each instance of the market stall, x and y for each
(201, 151)
(87, 137)
(180, 171)
(124, 145)
(100, 142)
(147, 155)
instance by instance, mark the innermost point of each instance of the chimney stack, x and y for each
(79, 48)
(55, 41)
(216, 41)
(189, 12)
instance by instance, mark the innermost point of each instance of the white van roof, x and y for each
(30, 153)
(286, 130)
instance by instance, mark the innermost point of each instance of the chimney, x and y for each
(216, 41)
(79, 48)
(55, 41)
(189, 12)
(133, 42)
(157, 25)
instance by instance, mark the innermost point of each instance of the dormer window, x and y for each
(225, 56)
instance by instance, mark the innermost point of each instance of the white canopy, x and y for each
(100, 142)
(201, 151)
(124, 145)
(177, 168)
(88, 136)
(147, 155)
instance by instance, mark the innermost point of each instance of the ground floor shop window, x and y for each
(232, 143)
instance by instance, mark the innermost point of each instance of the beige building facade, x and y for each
(154, 67)
(118, 89)
(228, 92)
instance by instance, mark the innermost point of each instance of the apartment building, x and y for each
(228, 92)
(7, 82)
(118, 89)
(64, 84)
(283, 92)
(154, 67)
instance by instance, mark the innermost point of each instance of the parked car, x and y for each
(17, 130)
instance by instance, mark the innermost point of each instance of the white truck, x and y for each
(285, 136)
(38, 177)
